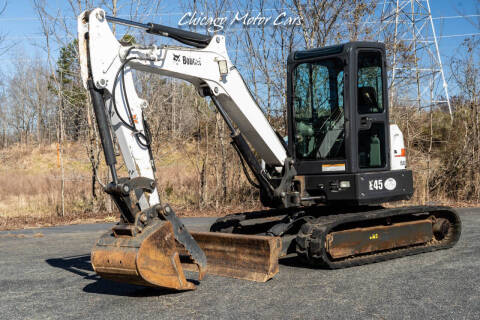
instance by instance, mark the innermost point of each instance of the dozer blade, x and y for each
(149, 258)
(248, 257)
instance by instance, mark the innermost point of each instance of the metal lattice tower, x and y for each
(416, 70)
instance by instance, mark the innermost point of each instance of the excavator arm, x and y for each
(108, 65)
(141, 248)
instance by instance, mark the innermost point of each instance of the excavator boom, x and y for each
(149, 244)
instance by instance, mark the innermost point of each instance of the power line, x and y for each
(276, 48)
(150, 15)
(460, 35)
(202, 14)
(240, 29)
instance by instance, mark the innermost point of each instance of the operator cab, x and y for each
(338, 127)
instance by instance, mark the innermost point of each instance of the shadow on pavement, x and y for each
(102, 286)
(81, 266)
(295, 261)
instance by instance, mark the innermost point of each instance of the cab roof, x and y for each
(332, 50)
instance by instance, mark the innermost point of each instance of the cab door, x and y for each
(318, 117)
(372, 124)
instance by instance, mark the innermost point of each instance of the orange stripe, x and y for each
(402, 153)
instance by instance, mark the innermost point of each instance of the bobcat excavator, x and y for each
(325, 185)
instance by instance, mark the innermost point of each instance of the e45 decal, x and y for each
(378, 184)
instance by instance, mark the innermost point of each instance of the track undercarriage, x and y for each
(335, 238)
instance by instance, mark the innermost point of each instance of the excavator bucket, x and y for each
(149, 258)
(152, 257)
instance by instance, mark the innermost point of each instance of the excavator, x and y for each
(324, 183)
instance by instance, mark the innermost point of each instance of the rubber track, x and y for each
(312, 236)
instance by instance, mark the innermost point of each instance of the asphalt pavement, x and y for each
(46, 274)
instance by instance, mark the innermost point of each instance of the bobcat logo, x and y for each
(191, 61)
(176, 57)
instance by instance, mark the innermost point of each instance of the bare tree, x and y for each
(28, 101)
(3, 117)
(466, 74)
(74, 117)
(3, 48)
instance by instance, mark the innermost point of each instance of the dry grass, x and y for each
(26, 222)
(30, 192)
(21, 235)
(30, 184)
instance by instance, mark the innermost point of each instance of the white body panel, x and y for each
(136, 157)
(398, 160)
